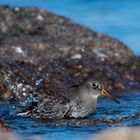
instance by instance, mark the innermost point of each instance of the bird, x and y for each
(74, 102)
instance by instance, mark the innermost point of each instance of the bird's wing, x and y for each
(23, 110)
(50, 107)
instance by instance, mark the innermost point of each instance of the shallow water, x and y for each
(119, 19)
(77, 129)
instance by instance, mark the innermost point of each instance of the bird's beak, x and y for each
(105, 93)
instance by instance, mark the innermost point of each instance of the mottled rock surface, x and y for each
(35, 35)
(40, 50)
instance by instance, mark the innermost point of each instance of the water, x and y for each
(119, 19)
(77, 129)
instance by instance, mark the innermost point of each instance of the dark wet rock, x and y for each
(4, 127)
(40, 50)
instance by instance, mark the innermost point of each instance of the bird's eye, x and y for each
(94, 85)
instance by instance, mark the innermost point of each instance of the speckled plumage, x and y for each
(75, 102)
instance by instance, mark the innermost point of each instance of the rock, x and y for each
(120, 133)
(4, 127)
(36, 35)
(39, 50)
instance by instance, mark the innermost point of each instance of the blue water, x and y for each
(119, 18)
(77, 129)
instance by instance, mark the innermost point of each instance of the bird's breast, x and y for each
(81, 109)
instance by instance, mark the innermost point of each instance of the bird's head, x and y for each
(95, 89)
